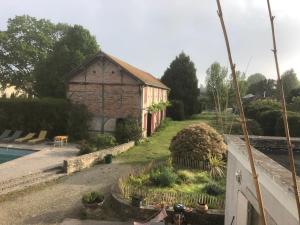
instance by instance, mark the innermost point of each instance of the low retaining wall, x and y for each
(127, 211)
(273, 144)
(85, 161)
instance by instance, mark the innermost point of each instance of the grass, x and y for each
(194, 182)
(157, 146)
(190, 184)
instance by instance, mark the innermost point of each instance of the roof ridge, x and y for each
(143, 76)
(154, 82)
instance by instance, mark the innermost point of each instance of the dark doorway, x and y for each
(149, 124)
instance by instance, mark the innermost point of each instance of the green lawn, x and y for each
(157, 146)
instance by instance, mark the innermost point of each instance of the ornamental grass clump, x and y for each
(197, 143)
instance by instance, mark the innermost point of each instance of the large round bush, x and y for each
(197, 142)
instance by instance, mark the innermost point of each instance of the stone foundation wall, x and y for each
(85, 161)
(126, 211)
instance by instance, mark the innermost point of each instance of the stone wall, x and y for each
(85, 161)
(273, 144)
(126, 211)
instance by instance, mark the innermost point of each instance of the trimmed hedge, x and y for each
(57, 116)
(294, 125)
(272, 123)
(253, 126)
(268, 120)
(255, 108)
(176, 110)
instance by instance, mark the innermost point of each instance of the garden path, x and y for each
(50, 205)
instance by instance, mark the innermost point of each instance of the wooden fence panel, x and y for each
(170, 198)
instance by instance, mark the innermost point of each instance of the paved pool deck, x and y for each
(46, 157)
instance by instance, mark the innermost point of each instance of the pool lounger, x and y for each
(40, 138)
(5, 134)
(25, 138)
(15, 135)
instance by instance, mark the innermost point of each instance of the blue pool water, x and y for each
(7, 154)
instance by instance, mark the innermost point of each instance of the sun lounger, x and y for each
(40, 138)
(5, 134)
(25, 138)
(14, 136)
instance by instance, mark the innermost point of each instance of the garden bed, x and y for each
(159, 183)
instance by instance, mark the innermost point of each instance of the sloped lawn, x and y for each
(157, 146)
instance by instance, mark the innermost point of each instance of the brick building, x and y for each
(112, 89)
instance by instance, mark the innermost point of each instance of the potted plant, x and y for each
(136, 200)
(108, 158)
(202, 207)
(93, 199)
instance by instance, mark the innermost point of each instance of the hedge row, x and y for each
(57, 116)
(253, 127)
(268, 114)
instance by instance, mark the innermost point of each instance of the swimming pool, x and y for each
(7, 154)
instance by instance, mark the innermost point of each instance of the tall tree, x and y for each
(181, 78)
(289, 81)
(263, 88)
(74, 47)
(25, 43)
(241, 78)
(255, 78)
(217, 87)
(293, 94)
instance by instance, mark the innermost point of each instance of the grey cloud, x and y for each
(150, 33)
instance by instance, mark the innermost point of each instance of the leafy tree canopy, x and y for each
(255, 78)
(295, 93)
(23, 45)
(74, 47)
(181, 77)
(263, 88)
(216, 85)
(241, 78)
(289, 81)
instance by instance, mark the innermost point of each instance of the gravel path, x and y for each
(54, 202)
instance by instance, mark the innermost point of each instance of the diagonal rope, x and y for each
(242, 117)
(284, 113)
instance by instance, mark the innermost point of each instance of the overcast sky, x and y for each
(150, 33)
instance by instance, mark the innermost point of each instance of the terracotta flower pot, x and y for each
(202, 207)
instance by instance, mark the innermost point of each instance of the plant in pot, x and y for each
(136, 200)
(108, 158)
(93, 199)
(202, 207)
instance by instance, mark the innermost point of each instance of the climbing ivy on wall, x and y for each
(156, 107)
